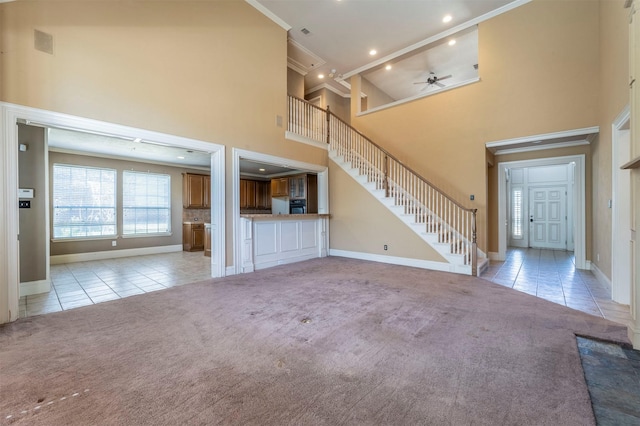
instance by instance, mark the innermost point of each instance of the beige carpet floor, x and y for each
(324, 342)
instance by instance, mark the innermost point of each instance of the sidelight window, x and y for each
(516, 212)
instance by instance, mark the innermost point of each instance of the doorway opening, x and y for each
(621, 224)
(9, 222)
(543, 201)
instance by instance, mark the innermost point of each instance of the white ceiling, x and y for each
(342, 32)
(84, 143)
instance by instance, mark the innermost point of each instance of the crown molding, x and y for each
(545, 136)
(540, 147)
(266, 12)
(438, 36)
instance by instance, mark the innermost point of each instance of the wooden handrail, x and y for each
(453, 223)
(391, 156)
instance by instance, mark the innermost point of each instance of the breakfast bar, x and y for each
(276, 239)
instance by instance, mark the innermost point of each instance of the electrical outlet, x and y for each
(114, 243)
(385, 247)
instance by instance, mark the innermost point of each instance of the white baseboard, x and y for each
(393, 260)
(230, 270)
(35, 287)
(635, 336)
(588, 265)
(494, 255)
(113, 254)
(599, 275)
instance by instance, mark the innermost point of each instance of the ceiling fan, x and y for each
(433, 79)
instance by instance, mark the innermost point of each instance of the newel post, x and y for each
(474, 244)
(328, 124)
(386, 176)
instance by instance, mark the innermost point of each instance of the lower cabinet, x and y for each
(192, 236)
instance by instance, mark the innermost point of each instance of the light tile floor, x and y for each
(552, 275)
(86, 283)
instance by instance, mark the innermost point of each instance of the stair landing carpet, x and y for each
(328, 341)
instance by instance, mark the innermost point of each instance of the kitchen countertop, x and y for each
(284, 216)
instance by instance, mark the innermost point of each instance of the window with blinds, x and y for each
(516, 214)
(84, 202)
(146, 203)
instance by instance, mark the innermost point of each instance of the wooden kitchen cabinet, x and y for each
(247, 194)
(263, 195)
(280, 187)
(192, 236)
(196, 190)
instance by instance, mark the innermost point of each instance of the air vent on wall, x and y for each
(305, 31)
(43, 42)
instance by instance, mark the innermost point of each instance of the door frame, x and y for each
(237, 153)
(579, 203)
(620, 292)
(9, 249)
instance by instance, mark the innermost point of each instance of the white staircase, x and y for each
(442, 222)
(420, 220)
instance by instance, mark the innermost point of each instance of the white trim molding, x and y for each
(601, 277)
(579, 202)
(9, 223)
(393, 260)
(323, 192)
(437, 37)
(35, 287)
(492, 255)
(541, 147)
(113, 254)
(269, 14)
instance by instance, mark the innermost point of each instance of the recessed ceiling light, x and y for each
(373, 52)
(447, 18)
(388, 67)
(262, 170)
(180, 157)
(452, 42)
(320, 75)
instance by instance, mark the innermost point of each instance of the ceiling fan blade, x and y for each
(440, 84)
(420, 82)
(446, 76)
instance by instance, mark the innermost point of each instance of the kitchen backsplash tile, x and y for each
(202, 215)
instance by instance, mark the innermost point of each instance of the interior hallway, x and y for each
(552, 275)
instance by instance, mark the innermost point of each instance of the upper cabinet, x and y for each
(298, 187)
(255, 195)
(280, 187)
(196, 190)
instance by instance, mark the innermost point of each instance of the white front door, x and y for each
(548, 217)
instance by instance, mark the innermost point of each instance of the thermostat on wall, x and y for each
(25, 193)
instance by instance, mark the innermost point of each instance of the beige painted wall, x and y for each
(295, 83)
(539, 70)
(524, 156)
(375, 96)
(614, 96)
(338, 105)
(362, 224)
(32, 174)
(186, 68)
(88, 246)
